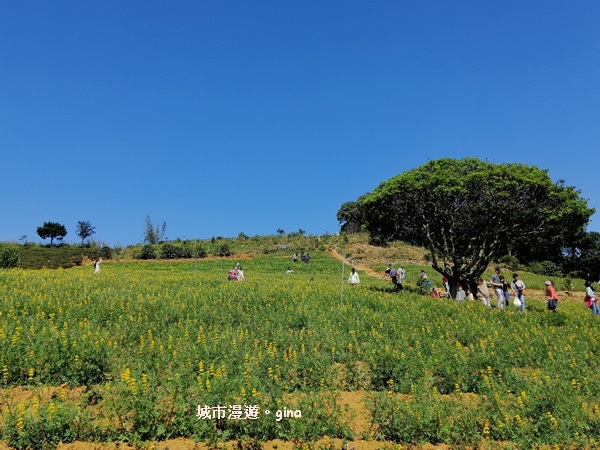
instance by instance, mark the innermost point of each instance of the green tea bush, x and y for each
(9, 257)
(105, 252)
(148, 252)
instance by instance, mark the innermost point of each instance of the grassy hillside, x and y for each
(130, 353)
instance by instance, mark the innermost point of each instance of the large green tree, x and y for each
(351, 216)
(467, 212)
(52, 230)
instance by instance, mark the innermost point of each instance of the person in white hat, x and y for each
(552, 296)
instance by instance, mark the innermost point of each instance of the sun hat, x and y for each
(548, 283)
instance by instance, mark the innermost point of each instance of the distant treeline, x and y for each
(34, 256)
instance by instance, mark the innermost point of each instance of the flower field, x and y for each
(153, 351)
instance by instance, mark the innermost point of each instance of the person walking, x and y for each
(483, 293)
(505, 288)
(590, 297)
(401, 273)
(446, 285)
(552, 296)
(353, 279)
(497, 285)
(388, 271)
(97, 265)
(518, 287)
(394, 277)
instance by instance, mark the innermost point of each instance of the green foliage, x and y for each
(56, 423)
(52, 230)
(352, 216)
(9, 257)
(223, 250)
(547, 268)
(170, 251)
(583, 257)
(153, 234)
(509, 262)
(458, 210)
(85, 230)
(175, 251)
(36, 257)
(105, 252)
(152, 341)
(148, 252)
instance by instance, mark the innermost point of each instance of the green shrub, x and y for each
(37, 257)
(170, 251)
(9, 258)
(510, 262)
(547, 268)
(148, 252)
(105, 252)
(200, 252)
(223, 250)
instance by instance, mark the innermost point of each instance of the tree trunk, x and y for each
(453, 282)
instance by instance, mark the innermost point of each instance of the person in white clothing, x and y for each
(401, 274)
(518, 287)
(97, 265)
(353, 279)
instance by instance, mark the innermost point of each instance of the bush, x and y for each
(200, 252)
(9, 258)
(547, 268)
(171, 251)
(223, 250)
(36, 257)
(509, 261)
(148, 252)
(106, 252)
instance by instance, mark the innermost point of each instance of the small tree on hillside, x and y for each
(52, 230)
(85, 230)
(154, 234)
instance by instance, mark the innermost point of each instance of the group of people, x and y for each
(502, 288)
(498, 286)
(236, 274)
(397, 276)
(304, 257)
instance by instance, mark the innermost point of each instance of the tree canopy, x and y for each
(351, 216)
(85, 230)
(467, 212)
(153, 234)
(52, 230)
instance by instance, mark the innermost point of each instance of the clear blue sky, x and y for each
(222, 117)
